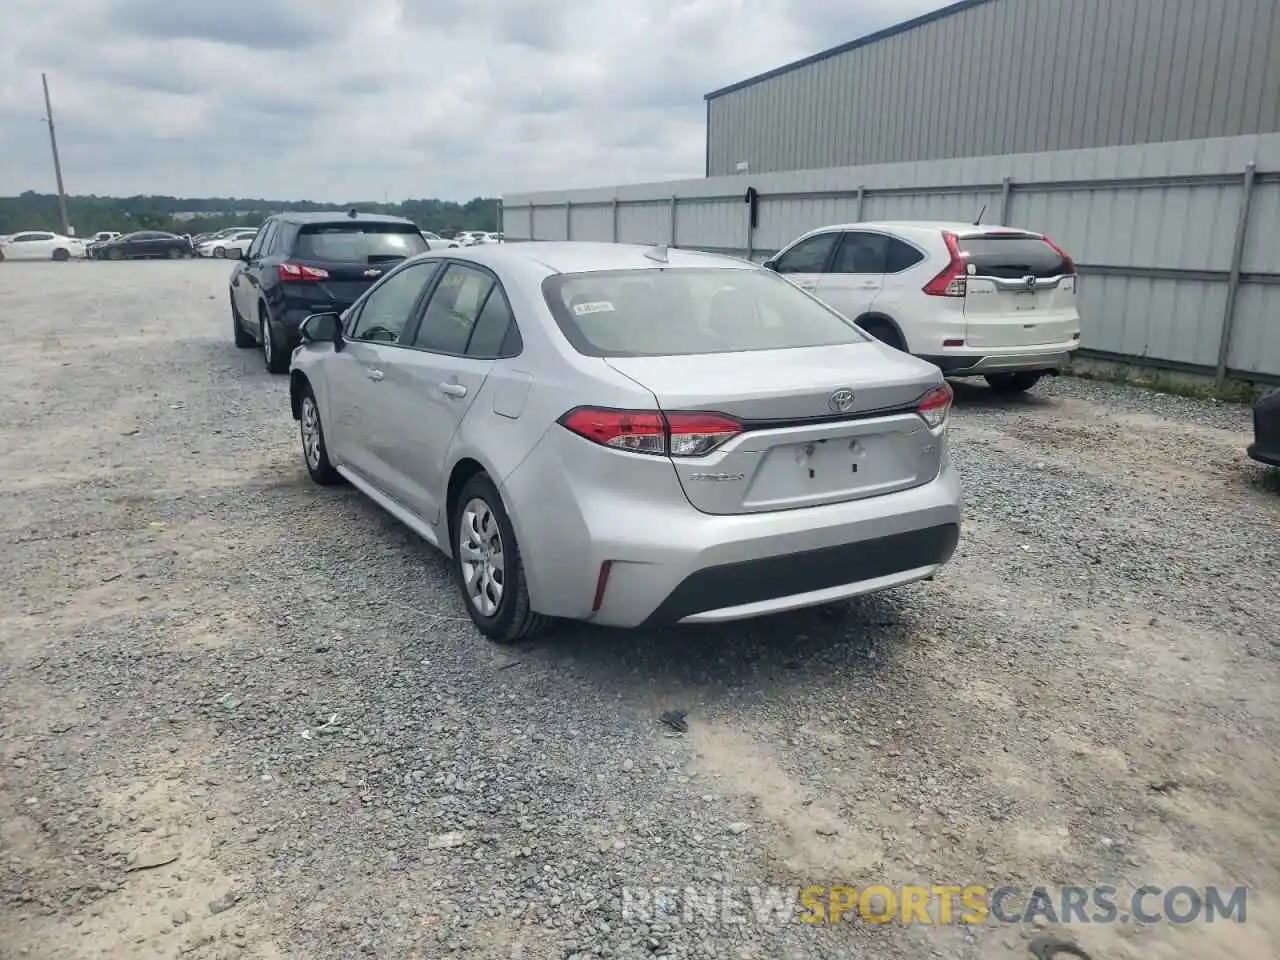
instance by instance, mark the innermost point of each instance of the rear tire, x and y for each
(1013, 382)
(485, 556)
(61, 255)
(885, 333)
(244, 339)
(273, 356)
(115, 254)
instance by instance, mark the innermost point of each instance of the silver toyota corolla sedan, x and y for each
(630, 435)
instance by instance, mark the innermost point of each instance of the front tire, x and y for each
(61, 255)
(219, 253)
(487, 565)
(273, 356)
(314, 451)
(176, 253)
(1013, 382)
(116, 254)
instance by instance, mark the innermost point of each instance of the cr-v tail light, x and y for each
(952, 281)
(652, 432)
(935, 406)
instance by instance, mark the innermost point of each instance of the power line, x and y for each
(57, 164)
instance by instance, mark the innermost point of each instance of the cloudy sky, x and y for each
(361, 99)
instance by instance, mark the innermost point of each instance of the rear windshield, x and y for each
(1012, 257)
(358, 242)
(681, 311)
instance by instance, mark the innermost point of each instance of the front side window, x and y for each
(683, 311)
(808, 256)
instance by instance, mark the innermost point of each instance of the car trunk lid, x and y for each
(1020, 291)
(820, 425)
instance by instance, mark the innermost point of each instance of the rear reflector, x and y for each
(953, 343)
(647, 431)
(935, 405)
(951, 281)
(602, 583)
(295, 272)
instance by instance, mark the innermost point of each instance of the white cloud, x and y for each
(333, 100)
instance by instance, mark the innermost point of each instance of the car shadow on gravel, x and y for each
(857, 642)
(977, 394)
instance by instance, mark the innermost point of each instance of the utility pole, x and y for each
(57, 164)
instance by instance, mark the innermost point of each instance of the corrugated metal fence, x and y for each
(1178, 244)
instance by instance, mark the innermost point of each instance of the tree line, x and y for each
(88, 215)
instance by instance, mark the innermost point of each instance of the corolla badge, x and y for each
(841, 401)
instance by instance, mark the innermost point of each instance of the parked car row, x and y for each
(471, 238)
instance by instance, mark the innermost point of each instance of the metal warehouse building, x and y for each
(987, 77)
(1142, 135)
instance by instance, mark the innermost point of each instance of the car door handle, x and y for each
(453, 390)
(376, 374)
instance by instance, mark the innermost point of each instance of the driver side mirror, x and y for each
(771, 264)
(233, 253)
(322, 328)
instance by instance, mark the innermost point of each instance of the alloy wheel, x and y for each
(311, 433)
(480, 554)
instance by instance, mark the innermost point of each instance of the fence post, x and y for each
(568, 219)
(751, 235)
(861, 202)
(1233, 279)
(1006, 198)
(674, 201)
(501, 226)
(615, 219)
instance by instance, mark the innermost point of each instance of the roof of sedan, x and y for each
(577, 256)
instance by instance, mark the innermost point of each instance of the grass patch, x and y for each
(1175, 384)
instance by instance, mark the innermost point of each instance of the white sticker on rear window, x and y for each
(596, 306)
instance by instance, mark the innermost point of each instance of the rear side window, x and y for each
(1012, 256)
(453, 310)
(684, 311)
(356, 242)
(861, 253)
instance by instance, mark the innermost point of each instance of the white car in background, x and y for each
(218, 246)
(437, 242)
(989, 301)
(41, 245)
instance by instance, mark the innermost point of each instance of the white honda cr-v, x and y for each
(995, 302)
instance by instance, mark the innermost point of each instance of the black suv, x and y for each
(305, 263)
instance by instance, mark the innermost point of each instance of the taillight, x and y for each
(1067, 262)
(647, 431)
(295, 272)
(951, 282)
(935, 405)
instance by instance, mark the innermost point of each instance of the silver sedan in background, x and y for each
(630, 436)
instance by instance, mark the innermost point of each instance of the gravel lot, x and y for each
(241, 716)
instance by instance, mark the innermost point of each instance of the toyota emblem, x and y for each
(841, 401)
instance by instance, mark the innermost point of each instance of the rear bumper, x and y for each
(981, 362)
(669, 563)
